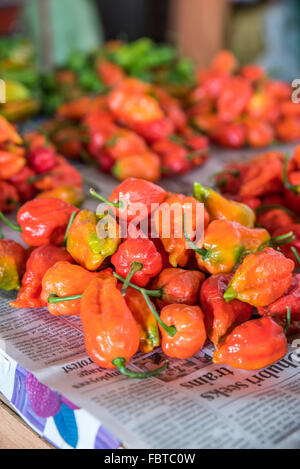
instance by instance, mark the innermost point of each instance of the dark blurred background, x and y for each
(261, 31)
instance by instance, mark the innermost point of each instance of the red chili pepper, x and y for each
(290, 299)
(42, 159)
(137, 259)
(219, 315)
(39, 261)
(253, 345)
(26, 191)
(134, 191)
(44, 221)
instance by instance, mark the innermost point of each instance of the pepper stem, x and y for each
(170, 330)
(106, 201)
(9, 223)
(285, 178)
(288, 320)
(201, 251)
(120, 364)
(229, 295)
(134, 267)
(68, 227)
(53, 298)
(154, 293)
(201, 193)
(282, 240)
(296, 254)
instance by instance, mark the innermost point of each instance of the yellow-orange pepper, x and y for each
(224, 244)
(71, 194)
(147, 324)
(83, 243)
(219, 207)
(262, 278)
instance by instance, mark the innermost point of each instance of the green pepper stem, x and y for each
(288, 320)
(106, 201)
(296, 254)
(201, 251)
(1, 234)
(201, 193)
(282, 240)
(120, 364)
(37, 177)
(154, 293)
(170, 330)
(9, 223)
(134, 267)
(229, 295)
(68, 227)
(285, 178)
(53, 298)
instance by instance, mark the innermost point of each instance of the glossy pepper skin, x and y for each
(13, 259)
(66, 279)
(290, 298)
(141, 251)
(136, 191)
(253, 345)
(84, 244)
(39, 261)
(110, 330)
(225, 242)
(219, 207)
(44, 221)
(191, 334)
(175, 243)
(262, 278)
(220, 316)
(178, 286)
(147, 324)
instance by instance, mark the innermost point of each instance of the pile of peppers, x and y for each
(136, 130)
(235, 288)
(31, 167)
(242, 106)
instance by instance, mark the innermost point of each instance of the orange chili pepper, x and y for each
(8, 132)
(10, 164)
(262, 278)
(64, 279)
(253, 345)
(175, 243)
(71, 194)
(178, 286)
(110, 331)
(144, 166)
(190, 330)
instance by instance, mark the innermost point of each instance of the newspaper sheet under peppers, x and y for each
(193, 404)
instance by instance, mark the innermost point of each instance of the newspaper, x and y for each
(193, 404)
